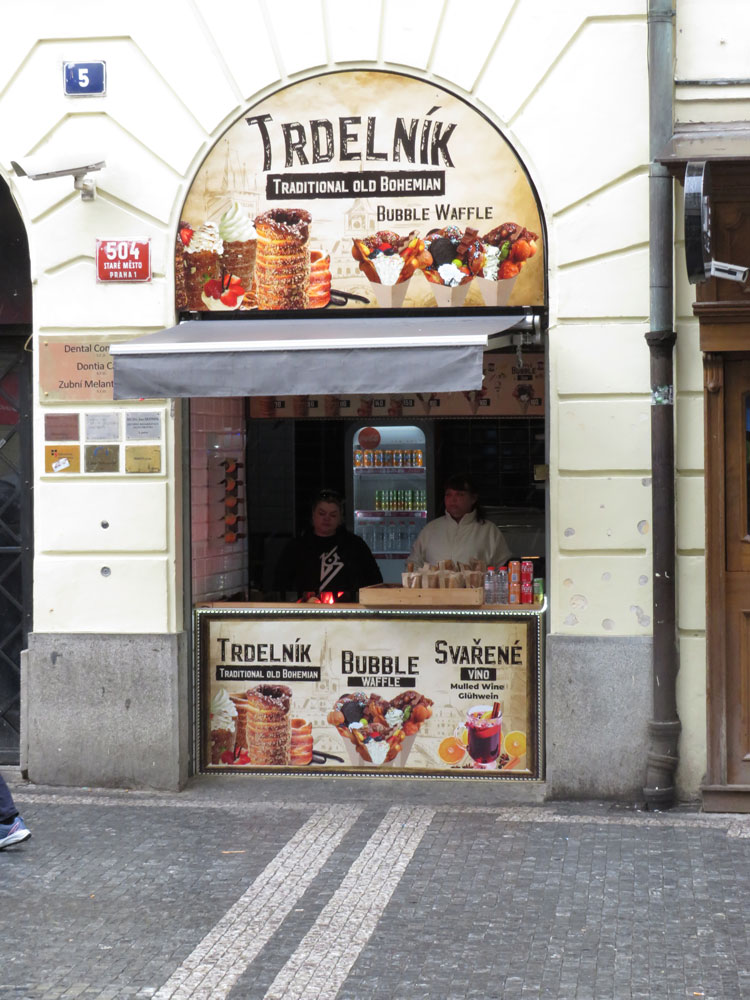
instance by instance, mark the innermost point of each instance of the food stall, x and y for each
(446, 691)
(315, 285)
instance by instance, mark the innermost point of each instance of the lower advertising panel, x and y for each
(451, 693)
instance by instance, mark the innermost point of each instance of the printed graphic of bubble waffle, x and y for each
(388, 261)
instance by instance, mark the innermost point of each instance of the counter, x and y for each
(347, 689)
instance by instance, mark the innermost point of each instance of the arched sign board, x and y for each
(359, 190)
(697, 220)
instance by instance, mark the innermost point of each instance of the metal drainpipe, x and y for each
(664, 727)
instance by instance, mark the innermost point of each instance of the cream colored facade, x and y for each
(567, 84)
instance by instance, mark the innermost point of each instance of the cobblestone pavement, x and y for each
(263, 889)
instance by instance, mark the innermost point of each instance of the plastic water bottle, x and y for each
(490, 586)
(502, 585)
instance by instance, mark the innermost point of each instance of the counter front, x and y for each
(352, 690)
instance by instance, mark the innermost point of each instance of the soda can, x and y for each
(378, 499)
(527, 571)
(538, 589)
(514, 571)
(359, 458)
(369, 458)
(527, 593)
(418, 457)
(398, 457)
(378, 456)
(388, 457)
(514, 593)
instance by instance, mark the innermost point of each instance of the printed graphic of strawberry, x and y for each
(186, 234)
(212, 288)
(228, 290)
(232, 290)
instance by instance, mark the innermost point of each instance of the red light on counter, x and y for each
(325, 597)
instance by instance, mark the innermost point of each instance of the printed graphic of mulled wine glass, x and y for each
(483, 729)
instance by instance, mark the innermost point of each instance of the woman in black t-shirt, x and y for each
(327, 558)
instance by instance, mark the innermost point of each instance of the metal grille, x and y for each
(15, 538)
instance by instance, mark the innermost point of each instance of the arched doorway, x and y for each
(16, 544)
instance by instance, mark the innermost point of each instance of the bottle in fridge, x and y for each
(389, 490)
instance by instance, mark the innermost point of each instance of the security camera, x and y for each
(732, 272)
(38, 170)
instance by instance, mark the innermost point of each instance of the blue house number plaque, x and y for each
(83, 79)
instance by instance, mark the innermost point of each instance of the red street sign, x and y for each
(123, 260)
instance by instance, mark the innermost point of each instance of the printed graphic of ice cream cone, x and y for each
(449, 296)
(496, 293)
(240, 242)
(388, 261)
(365, 406)
(401, 757)
(456, 257)
(197, 260)
(523, 393)
(351, 751)
(472, 397)
(390, 296)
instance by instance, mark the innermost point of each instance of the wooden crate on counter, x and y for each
(388, 595)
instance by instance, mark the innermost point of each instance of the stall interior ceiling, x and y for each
(299, 457)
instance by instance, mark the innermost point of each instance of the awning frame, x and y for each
(301, 356)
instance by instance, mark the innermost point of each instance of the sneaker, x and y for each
(14, 832)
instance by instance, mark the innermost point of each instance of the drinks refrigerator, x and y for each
(390, 491)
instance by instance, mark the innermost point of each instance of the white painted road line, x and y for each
(215, 965)
(326, 954)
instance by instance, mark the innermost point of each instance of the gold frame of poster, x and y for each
(446, 693)
(352, 197)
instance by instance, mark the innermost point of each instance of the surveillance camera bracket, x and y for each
(81, 182)
(86, 185)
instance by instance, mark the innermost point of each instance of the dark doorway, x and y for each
(16, 538)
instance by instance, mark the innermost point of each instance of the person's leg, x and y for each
(13, 830)
(8, 811)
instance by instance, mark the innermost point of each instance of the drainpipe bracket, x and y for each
(661, 340)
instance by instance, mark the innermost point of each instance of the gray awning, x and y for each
(289, 357)
(714, 141)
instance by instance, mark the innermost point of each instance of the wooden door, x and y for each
(737, 568)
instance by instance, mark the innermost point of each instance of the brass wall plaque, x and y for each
(102, 458)
(62, 458)
(141, 458)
